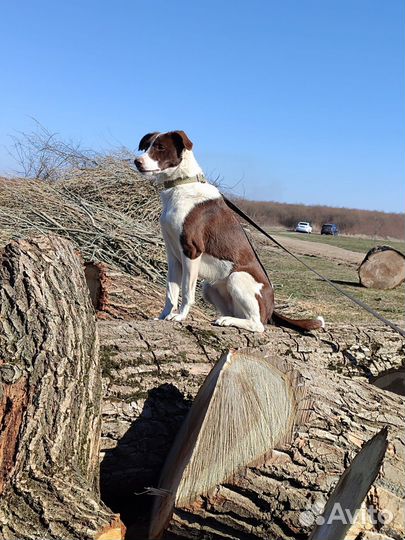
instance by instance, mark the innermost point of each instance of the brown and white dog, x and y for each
(204, 239)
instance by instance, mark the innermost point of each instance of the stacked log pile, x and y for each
(246, 408)
(151, 372)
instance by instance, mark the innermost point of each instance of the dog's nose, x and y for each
(138, 163)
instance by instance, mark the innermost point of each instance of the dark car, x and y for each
(330, 228)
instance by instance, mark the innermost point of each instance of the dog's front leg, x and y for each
(174, 274)
(188, 284)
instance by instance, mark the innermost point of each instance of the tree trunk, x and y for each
(269, 497)
(382, 268)
(153, 370)
(51, 397)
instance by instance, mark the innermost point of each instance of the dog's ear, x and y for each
(144, 143)
(181, 141)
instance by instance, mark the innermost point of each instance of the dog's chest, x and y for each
(178, 202)
(177, 205)
(173, 216)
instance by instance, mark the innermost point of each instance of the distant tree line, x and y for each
(350, 221)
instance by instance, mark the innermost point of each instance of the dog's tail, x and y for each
(298, 324)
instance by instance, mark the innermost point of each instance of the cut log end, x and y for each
(113, 531)
(351, 489)
(382, 268)
(118, 295)
(94, 274)
(246, 406)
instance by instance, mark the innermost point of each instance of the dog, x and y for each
(204, 239)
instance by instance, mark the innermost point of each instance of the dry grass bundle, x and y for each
(108, 211)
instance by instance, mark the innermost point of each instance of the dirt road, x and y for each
(318, 249)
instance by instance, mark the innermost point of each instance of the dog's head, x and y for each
(163, 152)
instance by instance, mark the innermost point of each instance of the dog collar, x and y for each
(180, 181)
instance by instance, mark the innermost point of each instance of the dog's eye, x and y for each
(159, 147)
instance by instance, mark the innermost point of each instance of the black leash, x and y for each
(249, 220)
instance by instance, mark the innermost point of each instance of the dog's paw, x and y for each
(223, 321)
(165, 316)
(176, 317)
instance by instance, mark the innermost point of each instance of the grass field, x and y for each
(301, 293)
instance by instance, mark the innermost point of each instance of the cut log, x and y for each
(382, 268)
(152, 370)
(51, 397)
(267, 496)
(245, 407)
(119, 295)
(347, 497)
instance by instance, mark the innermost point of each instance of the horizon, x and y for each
(288, 102)
(348, 208)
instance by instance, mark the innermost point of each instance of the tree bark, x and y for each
(51, 397)
(153, 370)
(382, 268)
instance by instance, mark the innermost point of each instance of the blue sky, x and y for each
(296, 101)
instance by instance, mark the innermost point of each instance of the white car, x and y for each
(303, 226)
